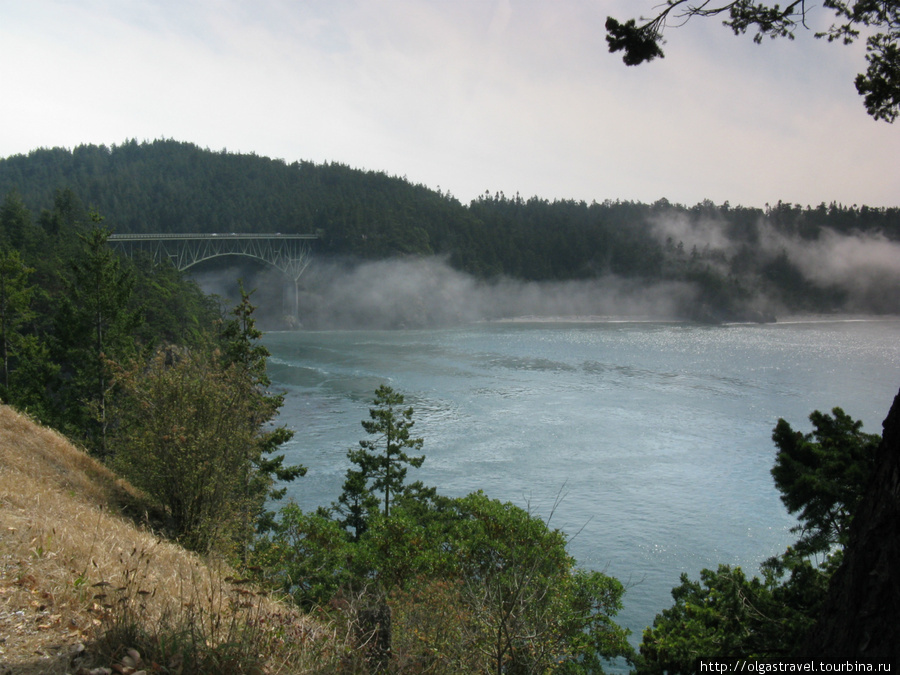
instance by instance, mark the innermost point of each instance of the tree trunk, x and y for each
(860, 619)
(375, 632)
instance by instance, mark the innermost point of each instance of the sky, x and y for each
(465, 96)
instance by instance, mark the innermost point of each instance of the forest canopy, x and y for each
(739, 262)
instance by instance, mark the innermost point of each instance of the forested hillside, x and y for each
(740, 263)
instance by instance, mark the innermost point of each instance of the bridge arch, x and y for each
(288, 253)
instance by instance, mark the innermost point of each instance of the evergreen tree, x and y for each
(382, 461)
(243, 352)
(356, 504)
(95, 323)
(67, 214)
(15, 311)
(822, 476)
(16, 229)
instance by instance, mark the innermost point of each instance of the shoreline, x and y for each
(595, 319)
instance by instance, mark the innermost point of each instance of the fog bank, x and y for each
(427, 292)
(863, 266)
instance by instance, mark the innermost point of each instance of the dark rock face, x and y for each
(860, 619)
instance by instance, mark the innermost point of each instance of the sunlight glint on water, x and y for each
(658, 436)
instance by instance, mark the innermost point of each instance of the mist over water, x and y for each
(427, 292)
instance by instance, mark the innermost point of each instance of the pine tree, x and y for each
(15, 311)
(95, 323)
(16, 228)
(356, 503)
(243, 352)
(382, 462)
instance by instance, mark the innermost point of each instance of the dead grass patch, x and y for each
(74, 571)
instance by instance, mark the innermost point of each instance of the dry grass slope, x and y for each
(73, 566)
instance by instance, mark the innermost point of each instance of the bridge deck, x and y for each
(217, 235)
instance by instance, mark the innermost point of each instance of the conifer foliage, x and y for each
(15, 311)
(96, 323)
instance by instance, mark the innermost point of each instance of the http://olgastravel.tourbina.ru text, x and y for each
(742, 666)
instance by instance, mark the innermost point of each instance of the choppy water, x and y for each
(657, 435)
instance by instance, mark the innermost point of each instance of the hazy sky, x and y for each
(465, 95)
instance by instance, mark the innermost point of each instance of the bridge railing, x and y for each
(216, 235)
(290, 253)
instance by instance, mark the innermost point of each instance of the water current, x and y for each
(655, 438)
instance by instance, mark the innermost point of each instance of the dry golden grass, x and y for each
(73, 567)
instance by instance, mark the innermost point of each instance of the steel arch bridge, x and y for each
(288, 253)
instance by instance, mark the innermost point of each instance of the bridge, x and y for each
(288, 253)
